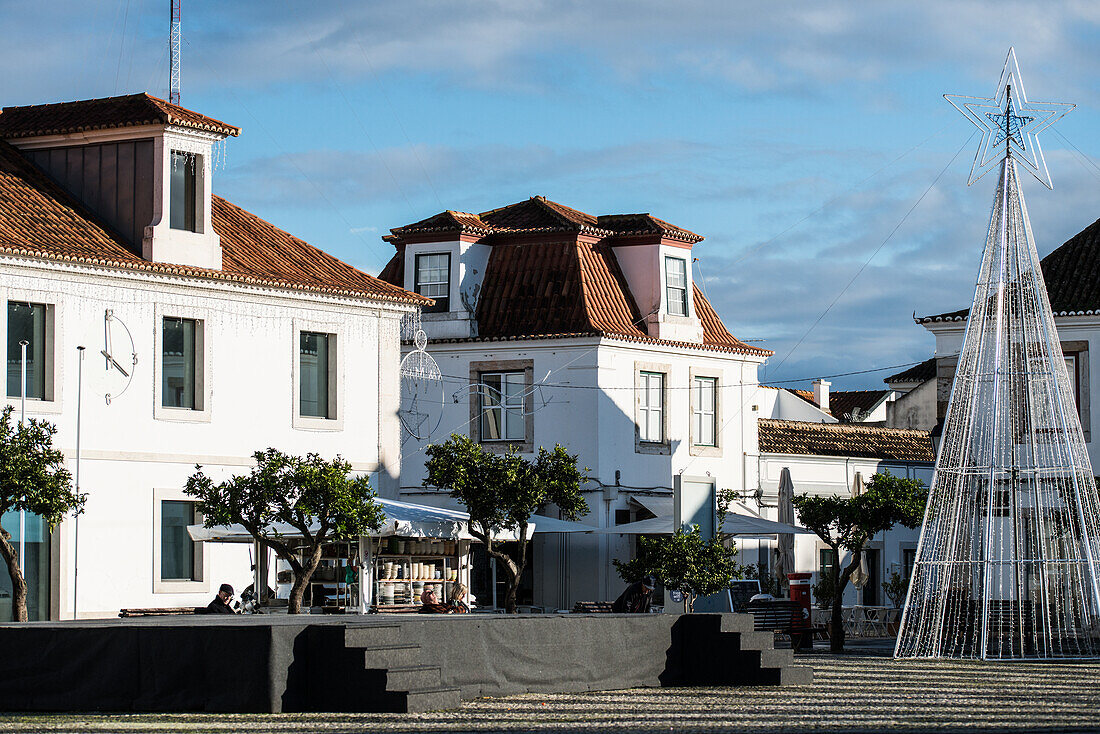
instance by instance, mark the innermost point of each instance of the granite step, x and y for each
(412, 677)
(390, 656)
(371, 635)
(431, 699)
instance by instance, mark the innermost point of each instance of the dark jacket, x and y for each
(217, 606)
(636, 599)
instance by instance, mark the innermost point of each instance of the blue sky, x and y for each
(794, 136)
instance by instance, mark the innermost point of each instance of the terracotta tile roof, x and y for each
(39, 219)
(448, 221)
(1072, 275)
(539, 214)
(926, 370)
(843, 403)
(844, 439)
(101, 114)
(641, 224)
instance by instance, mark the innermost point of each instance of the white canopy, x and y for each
(545, 524)
(735, 524)
(403, 519)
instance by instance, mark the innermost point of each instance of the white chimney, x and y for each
(821, 394)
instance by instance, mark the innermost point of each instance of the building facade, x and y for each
(556, 326)
(182, 330)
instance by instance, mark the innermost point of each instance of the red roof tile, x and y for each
(101, 114)
(844, 439)
(39, 219)
(539, 214)
(641, 224)
(448, 221)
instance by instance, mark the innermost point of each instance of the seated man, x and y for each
(220, 603)
(431, 603)
(637, 598)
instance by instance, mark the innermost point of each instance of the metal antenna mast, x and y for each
(174, 54)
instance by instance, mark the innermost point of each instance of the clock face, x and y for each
(112, 370)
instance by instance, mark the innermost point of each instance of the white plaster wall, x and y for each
(127, 452)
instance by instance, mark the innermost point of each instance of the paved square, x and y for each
(859, 691)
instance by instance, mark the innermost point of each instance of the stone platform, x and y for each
(394, 663)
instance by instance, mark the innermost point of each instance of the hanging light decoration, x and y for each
(1009, 554)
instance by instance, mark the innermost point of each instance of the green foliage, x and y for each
(850, 522)
(314, 496)
(33, 478)
(685, 562)
(895, 588)
(824, 591)
(502, 490)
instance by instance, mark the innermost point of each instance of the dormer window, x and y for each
(433, 279)
(676, 286)
(183, 196)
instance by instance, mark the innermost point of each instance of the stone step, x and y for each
(371, 635)
(390, 656)
(432, 699)
(746, 641)
(768, 658)
(412, 677)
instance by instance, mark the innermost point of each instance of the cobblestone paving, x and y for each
(864, 691)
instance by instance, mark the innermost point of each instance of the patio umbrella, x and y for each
(785, 550)
(861, 575)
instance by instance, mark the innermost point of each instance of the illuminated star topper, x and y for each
(1009, 124)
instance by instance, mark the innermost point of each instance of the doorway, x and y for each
(872, 592)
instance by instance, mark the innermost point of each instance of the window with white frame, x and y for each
(181, 363)
(183, 191)
(676, 286)
(27, 322)
(177, 550)
(502, 414)
(433, 279)
(316, 366)
(651, 407)
(704, 404)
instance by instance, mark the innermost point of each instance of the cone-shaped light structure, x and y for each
(1009, 554)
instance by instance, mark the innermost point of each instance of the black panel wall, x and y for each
(114, 180)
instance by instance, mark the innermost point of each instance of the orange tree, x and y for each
(502, 491)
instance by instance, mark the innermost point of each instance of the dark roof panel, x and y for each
(926, 370)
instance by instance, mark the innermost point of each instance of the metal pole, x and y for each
(76, 520)
(23, 344)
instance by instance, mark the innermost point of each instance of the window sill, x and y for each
(311, 423)
(180, 587)
(180, 415)
(502, 447)
(704, 450)
(34, 406)
(652, 447)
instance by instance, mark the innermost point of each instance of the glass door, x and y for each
(36, 565)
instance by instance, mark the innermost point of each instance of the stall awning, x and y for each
(545, 524)
(734, 525)
(403, 519)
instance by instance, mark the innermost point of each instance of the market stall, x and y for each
(417, 547)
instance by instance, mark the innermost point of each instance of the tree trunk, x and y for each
(302, 575)
(10, 554)
(840, 583)
(512, 573)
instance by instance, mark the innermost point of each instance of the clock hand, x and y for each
(115, 364)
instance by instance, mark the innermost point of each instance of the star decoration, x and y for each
(1009, 124)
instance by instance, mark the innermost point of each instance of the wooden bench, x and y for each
(156, 612)
(781, 616)
(592, 607)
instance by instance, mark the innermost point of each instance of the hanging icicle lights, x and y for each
(1008, 555)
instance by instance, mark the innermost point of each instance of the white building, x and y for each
(589, 332)
(226, 335)
(1074, 291)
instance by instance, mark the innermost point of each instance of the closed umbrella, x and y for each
(861, 575)
(785, 560)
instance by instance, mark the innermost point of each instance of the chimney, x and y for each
(821, 394)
